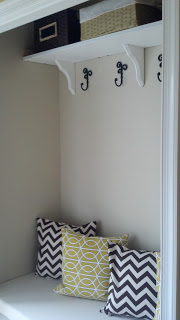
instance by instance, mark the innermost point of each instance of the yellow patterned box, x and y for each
(85, 268)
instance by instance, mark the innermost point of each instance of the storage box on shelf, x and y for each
(115, 15)
(56, 30)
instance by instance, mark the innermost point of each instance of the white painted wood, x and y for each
(169, 160)
(148, 35)
(137, 56)
(68, 68)
(35, 300)
(14, 13)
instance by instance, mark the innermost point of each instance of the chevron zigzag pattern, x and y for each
(132, 288)
(49, 260)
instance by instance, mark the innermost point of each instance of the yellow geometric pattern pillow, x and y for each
(85, 267)
(158, 284)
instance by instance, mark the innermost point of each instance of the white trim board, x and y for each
(169, 159)
(14, 13)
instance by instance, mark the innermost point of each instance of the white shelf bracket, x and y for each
(68, 68)
(136, 54)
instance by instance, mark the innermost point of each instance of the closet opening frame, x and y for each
(169, 160)
(32, 10)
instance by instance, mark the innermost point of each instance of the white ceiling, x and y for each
(14, 13)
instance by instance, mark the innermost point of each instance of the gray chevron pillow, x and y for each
(133, 282)
(49, 260)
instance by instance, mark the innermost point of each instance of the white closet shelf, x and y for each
(132, 41)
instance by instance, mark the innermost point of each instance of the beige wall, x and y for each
(110, 150)
(29, 152)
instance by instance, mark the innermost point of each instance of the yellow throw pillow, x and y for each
(158, 284)
(85, 267)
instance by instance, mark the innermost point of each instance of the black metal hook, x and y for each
(121, 67)
(160, 65)
(87, 74)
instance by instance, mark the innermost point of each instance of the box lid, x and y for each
(105, 6)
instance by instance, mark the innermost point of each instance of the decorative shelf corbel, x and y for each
(69, 70)
(136, 54)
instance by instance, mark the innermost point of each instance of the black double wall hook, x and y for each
(121, 68)
(87, 74)
(160, 65)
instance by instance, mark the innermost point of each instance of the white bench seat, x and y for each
(3, 317)
(32, 298)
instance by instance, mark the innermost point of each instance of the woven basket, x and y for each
(120, 19)
(56, 30)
